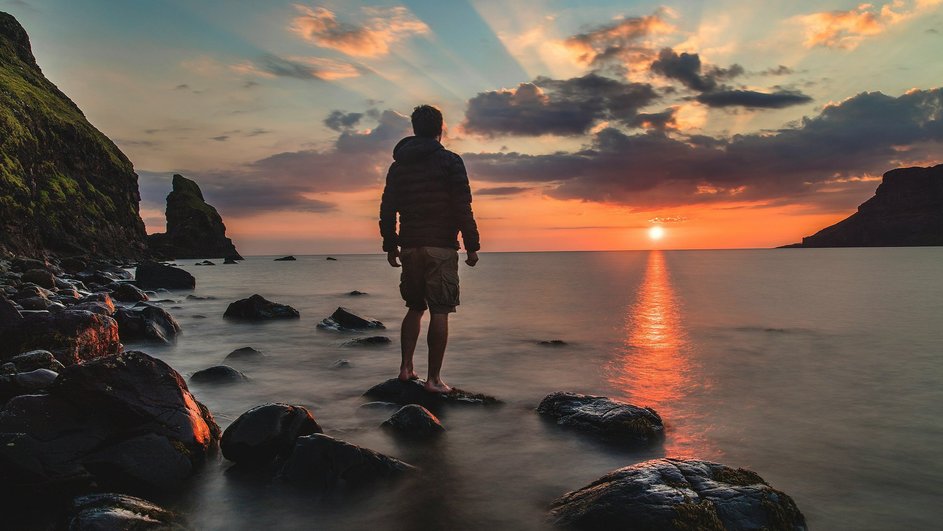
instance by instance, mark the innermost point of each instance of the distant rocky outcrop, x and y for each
(64, 186)
(194, 228)
(906, 210)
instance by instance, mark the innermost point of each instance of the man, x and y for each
(428, 187)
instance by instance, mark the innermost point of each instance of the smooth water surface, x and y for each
(820, 369)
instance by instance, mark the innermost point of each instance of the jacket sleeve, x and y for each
(388, 209)
(461, 198)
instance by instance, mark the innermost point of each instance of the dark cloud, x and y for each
(814, 162)
(250, 84)
(752, 99)
(559, 107)
(617, 41)
(686, 68)
(342, 121)
(182, 86)
(304, 68)
(220, 138)
(258, 131)
(781, 70)
(503, 190)
(657, 120)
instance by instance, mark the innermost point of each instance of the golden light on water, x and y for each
(654, 368)
(656, 233)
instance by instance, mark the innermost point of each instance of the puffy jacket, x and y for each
(428, 187)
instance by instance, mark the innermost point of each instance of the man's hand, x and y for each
(472, 258)
(393, 258)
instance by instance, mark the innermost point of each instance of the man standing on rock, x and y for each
(428, 187)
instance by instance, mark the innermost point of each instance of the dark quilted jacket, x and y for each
(428, 187)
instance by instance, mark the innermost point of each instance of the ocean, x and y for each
(819, 369)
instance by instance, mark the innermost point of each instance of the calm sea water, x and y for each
(820, 369)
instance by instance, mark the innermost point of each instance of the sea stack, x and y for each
(194, 228)
(906, 210)
(64, 186)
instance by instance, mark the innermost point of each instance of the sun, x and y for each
(656, 232)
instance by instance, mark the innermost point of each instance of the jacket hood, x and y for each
(415, 148)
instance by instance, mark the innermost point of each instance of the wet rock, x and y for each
(35, 379)
(229, 261)
(331, 259)
(127, 292)
(325, 463)
(113, 512)
(94, 307)
(73, 264)
(244, 354)
(205, 263)
(32, 290)
(608, 419)
(356, 293)
(37, 303)
(9, 314)
(198, 316)
(102, 298)
(218, 374)
(152, 275)
(414, 420)
(40, 277)
(257, 308)
(678, 494)
(266, 432)
(371, 341)
(286, 259)
(102, 421)
(36, 359)
(71, 335)
(346, 319)
(412, 392)
(379, 406)
(199, 298)
(341, 364)
(145, 321)
(552, 343)
(22, 264)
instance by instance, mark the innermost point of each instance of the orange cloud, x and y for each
(846, 29)
(382, 28)
(619, 40)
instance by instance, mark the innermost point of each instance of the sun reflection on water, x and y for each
(655, 367)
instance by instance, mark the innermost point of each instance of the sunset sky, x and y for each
(582, 123)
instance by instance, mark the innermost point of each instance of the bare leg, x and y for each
(409, 336)
(438, 338)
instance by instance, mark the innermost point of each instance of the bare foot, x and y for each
(437, 387)
(406, 375)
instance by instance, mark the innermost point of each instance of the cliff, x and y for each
(64, 186)
(906, 210)
(194, 228)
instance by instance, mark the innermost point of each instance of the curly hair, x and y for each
(427, 121)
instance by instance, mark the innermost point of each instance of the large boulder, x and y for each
(608, 419)
(286, 259)
(194, 228)
(126, 420)
(36, 359)
(325, 463)
(127, 292)
(152, 275)
(413, 420)
(71, 335)
(258, 308)
(218, 374)
(413, 392)
(40, 277)
(113, 512)
(145, 321)
(371, 341)
(245, 354)
(346, 319)
(266, 432)
(678, 494)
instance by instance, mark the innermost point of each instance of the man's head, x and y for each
(427, 121)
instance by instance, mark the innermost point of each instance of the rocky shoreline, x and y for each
(102, 430)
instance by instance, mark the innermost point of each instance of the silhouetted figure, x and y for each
(428, 187)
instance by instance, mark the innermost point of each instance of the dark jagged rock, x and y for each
(552, 343)
(205, 263)
(286, 259)
(145, 321)
(356, 293)
(677, 494)
(257, 308)
(325, 463)
(23, 264)
(122, 420)
(371, 341)
(608, 419)
(906, 210)
(331, 259)
(194, 228)
(218, 374)
(40, 277)
(127, 292)
(113, 512)
(152, 275)
(341, 364)
(71, 335)
(412, 392)
(9, 314)
(64, 186)
(36, 359)
(73, 264)
(346, 319)
(230, 261)
(199, 298)
(266, 432)
(245, 354)
(414, 420)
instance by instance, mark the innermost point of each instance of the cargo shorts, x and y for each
(429, 278)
